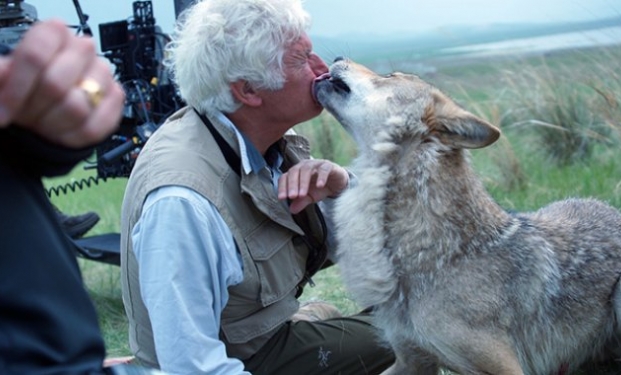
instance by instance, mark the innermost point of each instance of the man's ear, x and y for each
(245, 93)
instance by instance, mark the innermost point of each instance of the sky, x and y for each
(340, 18)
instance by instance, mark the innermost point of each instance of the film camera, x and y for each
(136, 48)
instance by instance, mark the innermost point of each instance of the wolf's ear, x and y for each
(455, 126)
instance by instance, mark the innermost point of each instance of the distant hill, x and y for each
(365, 48)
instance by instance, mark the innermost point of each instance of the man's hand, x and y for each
(310, 181)
(44, 85)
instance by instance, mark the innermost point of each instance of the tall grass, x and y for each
(328, 139)
(561, 123)
(570, 112)
(101, 280)
(568, 101)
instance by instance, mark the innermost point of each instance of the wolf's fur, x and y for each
(456, 281)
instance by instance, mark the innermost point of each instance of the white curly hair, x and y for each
(217, 42)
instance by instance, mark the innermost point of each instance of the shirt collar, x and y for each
(251, 158)
(244, 144)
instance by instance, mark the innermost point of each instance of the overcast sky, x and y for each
(386, 16)
(343, 17)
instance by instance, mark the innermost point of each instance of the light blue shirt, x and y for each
(187, 259)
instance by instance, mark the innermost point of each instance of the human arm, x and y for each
(187, 259)
(46, 122)
(40, 87)
(310, 181)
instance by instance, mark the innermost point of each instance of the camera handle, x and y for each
(84, 27)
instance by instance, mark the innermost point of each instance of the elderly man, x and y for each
(221, 228)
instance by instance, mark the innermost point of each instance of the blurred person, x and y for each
(57, 99)
(221, 227)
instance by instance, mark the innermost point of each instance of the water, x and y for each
(590, 38)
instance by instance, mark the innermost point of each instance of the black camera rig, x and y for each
(16, 18)
(135, 47)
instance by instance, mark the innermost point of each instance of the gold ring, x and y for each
(93, 91)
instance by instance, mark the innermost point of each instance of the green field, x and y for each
(561, 119)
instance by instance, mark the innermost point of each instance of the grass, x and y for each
(539, 101)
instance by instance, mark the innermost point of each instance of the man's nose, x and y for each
(318, 65)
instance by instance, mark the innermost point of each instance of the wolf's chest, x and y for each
(361, 235)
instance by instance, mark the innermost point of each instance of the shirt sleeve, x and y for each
(187, 258)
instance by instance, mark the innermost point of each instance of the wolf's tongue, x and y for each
(313, 88)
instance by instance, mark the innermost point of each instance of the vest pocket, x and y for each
(279, 264)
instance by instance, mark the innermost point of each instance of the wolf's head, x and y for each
(371, 106)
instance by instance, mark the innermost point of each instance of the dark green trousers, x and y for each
(339, 346)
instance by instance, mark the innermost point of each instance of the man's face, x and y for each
(294, 103)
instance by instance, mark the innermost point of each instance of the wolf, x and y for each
(455, 280)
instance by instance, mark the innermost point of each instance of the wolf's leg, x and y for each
(615, 342)
(413, 362)
(484, 355)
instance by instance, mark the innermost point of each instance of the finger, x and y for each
(106, 118)
(297, 205)
(323, 174)
(101, 122)
(107, 115)
(59, 77)
(76, 122)
(307, 173)
(64, 118)
(293, 182)
(30, 57)
(5, 63)
(282, 187)
(4, 72)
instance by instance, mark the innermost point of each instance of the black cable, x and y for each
(74, 186)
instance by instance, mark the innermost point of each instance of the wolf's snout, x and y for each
(338, 71)
(339, 85)
(331, 82)
(322, 77)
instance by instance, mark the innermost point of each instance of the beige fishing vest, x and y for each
(271, 242)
